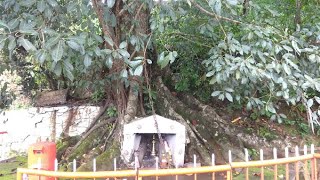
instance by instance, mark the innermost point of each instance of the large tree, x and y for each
(108, 48)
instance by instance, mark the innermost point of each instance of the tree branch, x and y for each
(135, 17)
(124, 9)
(213, 14)
(84, 136)
(106, 30)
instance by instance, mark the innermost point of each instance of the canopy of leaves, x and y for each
(66, 39)
(254, 54)
(257, 53)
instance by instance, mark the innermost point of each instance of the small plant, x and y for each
(97, 95)
(112, 111)
(252, 153)
(266, 133)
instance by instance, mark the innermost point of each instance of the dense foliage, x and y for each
(256, 53)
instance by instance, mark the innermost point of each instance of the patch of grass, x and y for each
(255, 173)
(8, 169)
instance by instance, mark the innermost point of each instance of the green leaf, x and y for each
(229, 97)
(27, 3)
(41, 56)
(229, 89)
(4, 24)
(87, 61)
(67, 65)
(13, 23)
(238, 74)
(217, 6)
(71, 7)
(209, 74)
(189, 2)
(69, 74)
(171, 57)
(27, 45)
(41, 5)
(106, 51)
(110, 3)
(57, 52)
(124, 73)
(109, 62)
(138, 71)
(57, 69)
(98, 38)
(288, 48)
(133, 40)
(295, 46)
(113, 20)
(116, 54)
(232, 2)
(124, 53)
(270, 108)
(249, 105)
(73, 45)
(221, 97)
(312, 57)
(137, 61)
(12, 43)
(286, 68)
(175, 54)
(215, 93)
(123, 45)
(52, 41)
(109, 40)
(28, 31)
(52, 3)
(310, 102)
(164, 63)
(2, 41)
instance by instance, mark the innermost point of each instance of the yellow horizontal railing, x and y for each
(179, 171)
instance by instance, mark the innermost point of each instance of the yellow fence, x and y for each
(306, 162)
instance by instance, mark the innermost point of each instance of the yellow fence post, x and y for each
(262, 167)
(229, 177)
(297, 163)
(275, 169)
(286, 150)
(19, 175)
(315, 168)
(213, 164)
(246, 154)
(229, 173)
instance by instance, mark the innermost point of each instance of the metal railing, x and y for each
(307, 162)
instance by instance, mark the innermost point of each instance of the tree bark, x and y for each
(297, 18)
(207, 132)
(68, 122)
(222, 136)
(53, 119)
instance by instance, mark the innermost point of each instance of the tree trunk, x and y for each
(207, 131)
(297, 17)
(53, 119)
(68, 122)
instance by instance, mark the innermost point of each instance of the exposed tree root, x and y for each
(198, 118)
(207, 132)
(69, 121)
(88, 133)
(98, 116)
